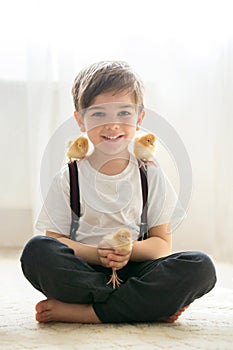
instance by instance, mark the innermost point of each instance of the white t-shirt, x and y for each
(109, 202)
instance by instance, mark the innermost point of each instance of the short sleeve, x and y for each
(55, 214)
(163, 204)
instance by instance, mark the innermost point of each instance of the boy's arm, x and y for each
(157, 245)
(84, 251)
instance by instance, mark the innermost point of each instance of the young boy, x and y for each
(73, 275)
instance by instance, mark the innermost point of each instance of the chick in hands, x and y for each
(78, 148)
(122, 239)
(144, 148)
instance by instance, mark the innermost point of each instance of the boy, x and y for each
(157, 285)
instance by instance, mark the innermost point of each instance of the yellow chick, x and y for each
(144, 148)
(122, 239)
(78, 148)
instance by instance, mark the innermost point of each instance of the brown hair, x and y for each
(105, 76)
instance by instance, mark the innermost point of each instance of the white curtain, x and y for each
(223, 158)
(183, 50)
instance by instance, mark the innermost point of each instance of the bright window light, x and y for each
(104, 28)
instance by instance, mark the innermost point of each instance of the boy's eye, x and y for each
(124, 113)
(98, 114)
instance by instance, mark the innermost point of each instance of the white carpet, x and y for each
(207, 324)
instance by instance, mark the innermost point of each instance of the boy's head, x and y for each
(106, 76)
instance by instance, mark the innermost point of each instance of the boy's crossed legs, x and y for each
(159, 291)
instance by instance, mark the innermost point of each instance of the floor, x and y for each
(207, 324)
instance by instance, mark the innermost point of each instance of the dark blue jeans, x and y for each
(151, 290)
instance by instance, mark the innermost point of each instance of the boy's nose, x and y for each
(112, 126)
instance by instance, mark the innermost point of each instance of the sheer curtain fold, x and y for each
(223, 157)
(46, 110)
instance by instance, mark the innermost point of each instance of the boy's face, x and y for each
(111, 121)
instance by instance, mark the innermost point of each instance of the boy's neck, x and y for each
(109, 164)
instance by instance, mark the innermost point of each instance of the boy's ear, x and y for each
(80, 121)
(140, 119)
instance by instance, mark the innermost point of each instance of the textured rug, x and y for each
(207, 324)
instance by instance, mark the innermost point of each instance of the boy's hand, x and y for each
(116, 259)
(115, 248)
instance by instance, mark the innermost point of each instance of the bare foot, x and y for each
(174, 317)
(51, 310)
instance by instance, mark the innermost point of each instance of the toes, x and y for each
(44, 311)
(44, 305)
(174, 317)
(178, 313)
(44, 317)
(41, 306)
(168, 319)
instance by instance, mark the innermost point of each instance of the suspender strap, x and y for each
(144, 185)
(74, 199)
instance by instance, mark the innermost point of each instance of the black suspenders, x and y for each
(75, 200)
(143, 234)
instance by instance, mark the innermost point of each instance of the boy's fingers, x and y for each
(122, 252)
(118, 258)
(114, 259)
(104, 252)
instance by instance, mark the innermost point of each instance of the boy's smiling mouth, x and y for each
(114, 138)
